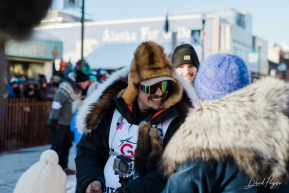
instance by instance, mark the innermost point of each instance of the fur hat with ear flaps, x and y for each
(149, 62)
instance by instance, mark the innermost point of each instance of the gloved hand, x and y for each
(53, 124)
(130, 93)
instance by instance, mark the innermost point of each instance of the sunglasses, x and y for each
(163, 85)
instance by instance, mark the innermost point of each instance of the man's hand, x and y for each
(94, 187)
(53, 124)
(31, 93)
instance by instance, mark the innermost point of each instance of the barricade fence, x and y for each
(23, 123)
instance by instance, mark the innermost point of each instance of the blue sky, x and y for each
(270, 17)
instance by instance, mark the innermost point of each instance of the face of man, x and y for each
(187, 71)
(54, 88)
(43, 85)
(31, 86)
(23, 78)
(91, 82)
(84, 85)
(21, 86)
(151, 101)
(14, 85)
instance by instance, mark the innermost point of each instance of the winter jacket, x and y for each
(77, 135)
(36, 92)
(61, 109)
(93, 148)
(228, 144)
(9, 90)
(46, 92)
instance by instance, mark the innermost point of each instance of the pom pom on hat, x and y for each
(49, 156)
(45, 176)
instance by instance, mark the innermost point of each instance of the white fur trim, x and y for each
(85, 109)
(189, 88)
(251, 125)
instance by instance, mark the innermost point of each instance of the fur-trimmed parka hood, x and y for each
(250, 126)
(101, 101)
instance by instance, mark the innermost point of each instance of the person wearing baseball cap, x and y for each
(186, 62)
(134, 113)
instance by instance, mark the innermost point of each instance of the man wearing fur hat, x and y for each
(237, 141)
(61, 115)
(135, 115)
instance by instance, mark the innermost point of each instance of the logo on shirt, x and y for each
(126, 147)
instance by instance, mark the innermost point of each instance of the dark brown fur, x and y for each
(143, 148)
(105, 104)
(157, 148)
(183, 106)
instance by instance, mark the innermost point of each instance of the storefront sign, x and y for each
(132, 31)
(38, 49)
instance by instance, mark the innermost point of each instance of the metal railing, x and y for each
(23, 123)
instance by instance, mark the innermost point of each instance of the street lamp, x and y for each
(82, 35)
(259, 45)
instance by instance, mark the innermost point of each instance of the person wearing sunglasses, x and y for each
(134, 113)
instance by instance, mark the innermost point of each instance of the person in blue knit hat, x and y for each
(237, 140)
(219, 75)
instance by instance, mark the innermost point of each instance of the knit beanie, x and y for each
(185, 54)
(219, 75)
(13, 81)
(45, 176)
(81, 77)
(42, 78)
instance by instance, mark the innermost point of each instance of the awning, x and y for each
(112, 57)
(40, 46)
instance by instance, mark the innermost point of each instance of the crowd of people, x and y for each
(188, 127)
(23, 87)
(40, 88)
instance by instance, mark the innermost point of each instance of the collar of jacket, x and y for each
(101, 102)
(159, 117)
(250, 126)
(74, 85)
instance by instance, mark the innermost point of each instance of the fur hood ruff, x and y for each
(100, 101)
(249, 126)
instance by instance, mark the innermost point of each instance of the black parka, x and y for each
(93, 152)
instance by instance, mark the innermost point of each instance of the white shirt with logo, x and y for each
(123, 140)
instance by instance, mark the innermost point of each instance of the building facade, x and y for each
(110, 44)
(34, 56)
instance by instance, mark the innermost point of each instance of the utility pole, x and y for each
(82, 35)
(259, 59)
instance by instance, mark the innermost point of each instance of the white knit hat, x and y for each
(45, 176)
